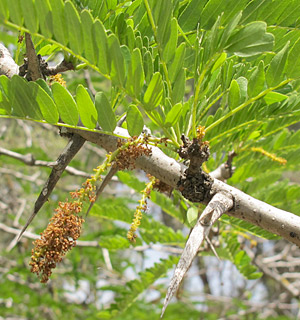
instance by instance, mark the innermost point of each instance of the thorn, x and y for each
(104, 183)
(74, 145)
(212, 247)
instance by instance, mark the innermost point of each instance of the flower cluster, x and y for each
(130, 151)
(161, 186)
(57, 78)
(142, 207)
(200, 132)
(87, 192)
(59, 237)
(270, 155)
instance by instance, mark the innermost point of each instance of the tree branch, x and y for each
(29, 160)
(8, 67)
(277, 221)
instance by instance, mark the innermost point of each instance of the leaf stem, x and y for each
(245, 104)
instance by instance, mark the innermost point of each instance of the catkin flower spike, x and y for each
(57, 239)
(142, 207)
(272, 156)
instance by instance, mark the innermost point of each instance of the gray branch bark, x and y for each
(259, 213)
(8, 67)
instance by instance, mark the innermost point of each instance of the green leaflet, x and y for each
(4, 84)
(171, 45)
(86, 108)
(243, 83)
(139, 42)
(66, 105)
(148, 66)
(60, 27)
(251, 40)
(4, 104)
(90, 47)
(129, 38)
(275, 72)
(162, 16)
(3, 10)
(291, 13)
(22, 101)
(135, 77)
(15, 11)
(100, 40)
(191, 15)
(154, 92)
(192, 216)
(45, 103)
(177, 64)
(178, 88)
(74, 28)
(135, 121)
(42, 83)
(257, 81)
(30, 15)
(106, 115)
(173, 115)
(214, 8)
(219, 62)
(127, 57)
(211, 44)
(273, 97)
(120, 27)
(234, 95)
(254, 8)
(229, 29)
(43, 9)
(48, 49)
(116, 61)
(293, 64)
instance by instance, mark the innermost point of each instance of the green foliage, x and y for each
(130, 292)
(242, 261)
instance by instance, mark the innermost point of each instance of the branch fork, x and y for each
(220, 203)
